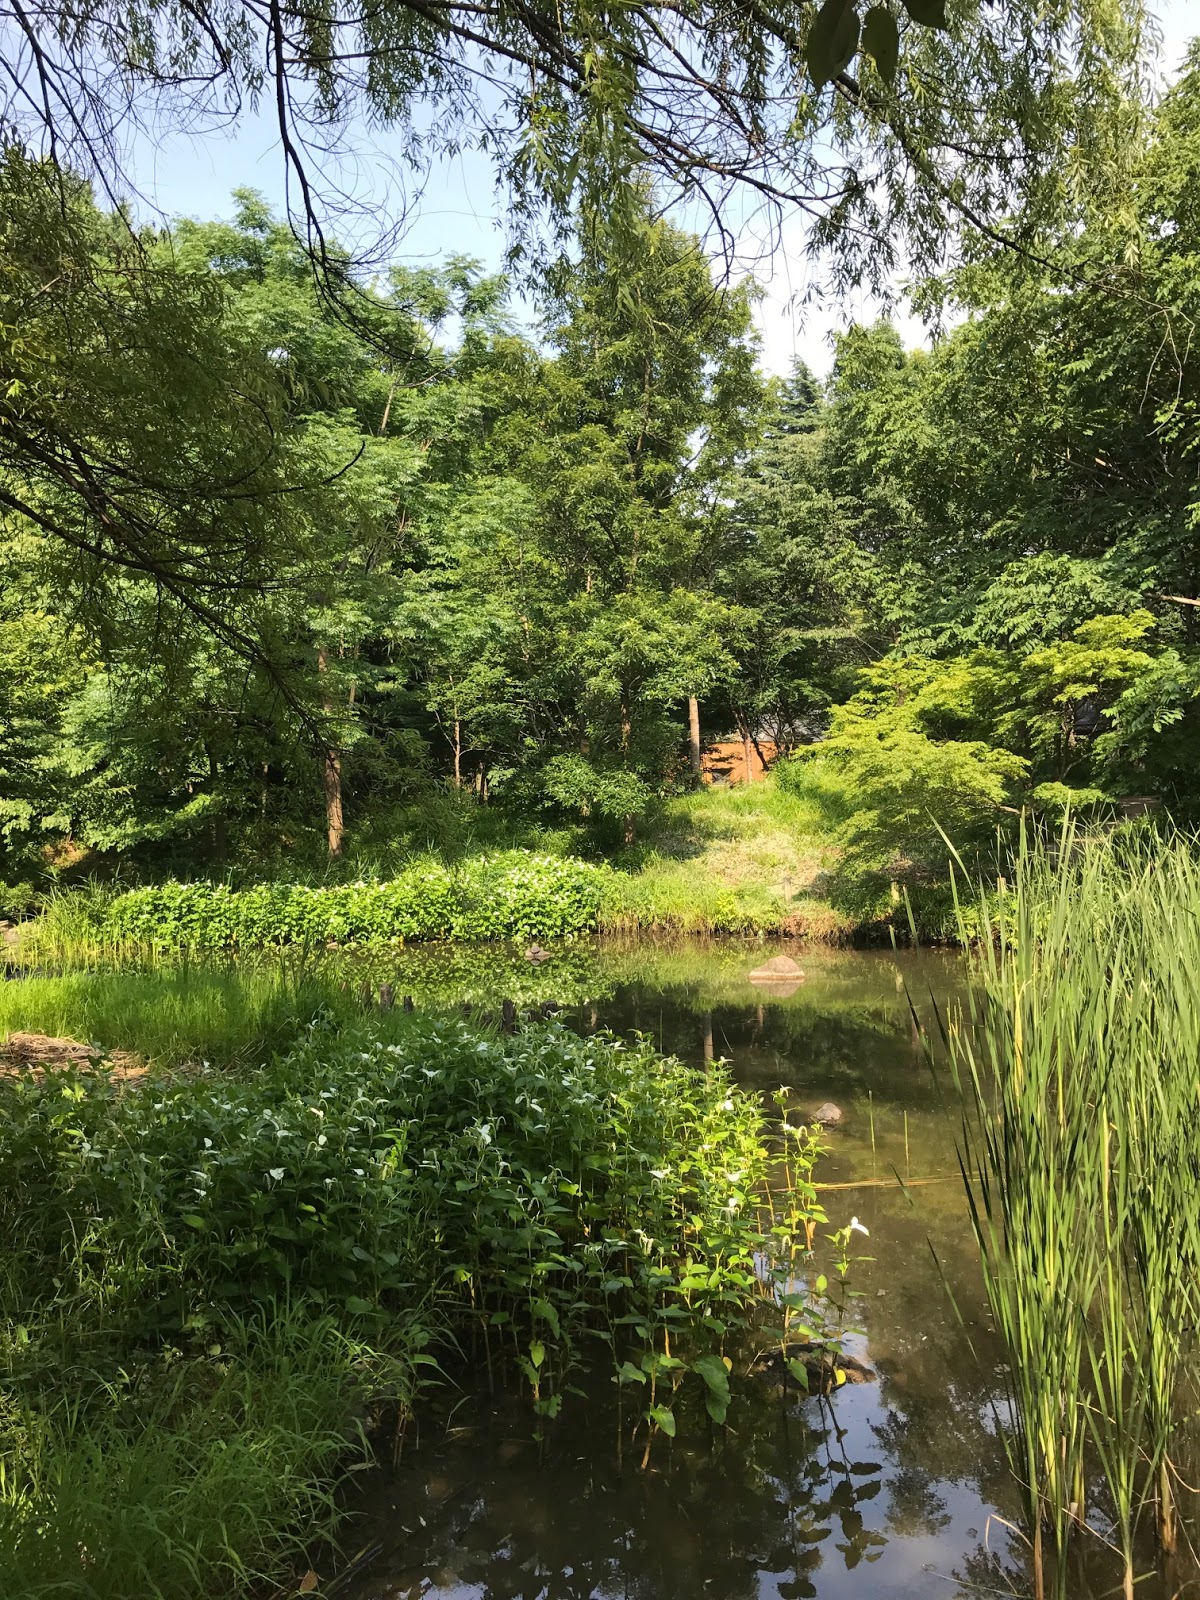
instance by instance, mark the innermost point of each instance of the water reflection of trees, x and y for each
(866, 991)
(796, 1495)
(788, 1494)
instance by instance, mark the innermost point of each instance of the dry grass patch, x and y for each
(41, 1050)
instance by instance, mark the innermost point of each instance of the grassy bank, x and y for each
(746, 860)
(214, 1281)
(235, 1014)
(749, 859)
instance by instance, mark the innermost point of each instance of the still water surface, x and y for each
(897, 1488)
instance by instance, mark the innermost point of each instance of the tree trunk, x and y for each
(694, 734)
(220, 837)
(333, 803)
(457, 754)
(331, 773)
(751, 746)
(626, 737)
(387, 410)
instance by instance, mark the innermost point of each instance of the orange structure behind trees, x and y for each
(736, 761)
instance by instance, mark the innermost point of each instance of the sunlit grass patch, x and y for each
(748, 858)
(172, 1014)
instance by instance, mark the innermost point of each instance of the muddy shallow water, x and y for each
(895, 1488)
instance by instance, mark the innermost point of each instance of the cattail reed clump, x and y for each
(1077, 1059)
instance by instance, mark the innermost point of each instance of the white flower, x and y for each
(276, 1173)
(857, 1227)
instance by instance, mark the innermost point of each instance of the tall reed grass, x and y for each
(1077, 1057)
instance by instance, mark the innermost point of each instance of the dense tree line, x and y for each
(285, 558)
(285, 555)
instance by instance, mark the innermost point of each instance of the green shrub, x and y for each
(510, 895)
(373, 1159)
(521, 896)
(202, 1277)
(529, 1190)
(893, 800)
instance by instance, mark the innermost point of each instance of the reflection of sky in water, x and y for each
(889, 1489)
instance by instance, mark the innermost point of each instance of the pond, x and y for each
(895, 1487)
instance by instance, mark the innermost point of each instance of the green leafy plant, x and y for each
(527, 1200)
(513, 894)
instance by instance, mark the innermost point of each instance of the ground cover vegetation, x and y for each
(1075, 1057)
(214, 1282)
(743, 861)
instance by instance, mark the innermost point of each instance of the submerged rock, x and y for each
(823, 1370)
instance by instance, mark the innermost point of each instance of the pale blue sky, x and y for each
(458, 210)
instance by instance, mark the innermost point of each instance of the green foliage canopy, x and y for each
(1002, 119)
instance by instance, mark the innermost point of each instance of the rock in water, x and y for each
(827, 1115)
(811, 1368)
(780, 969)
